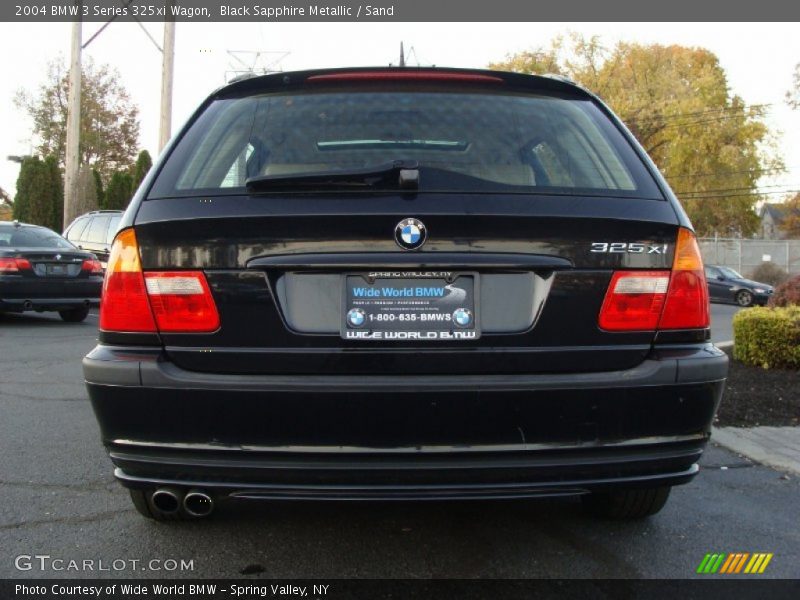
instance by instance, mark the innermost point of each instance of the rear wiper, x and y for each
(402, 174)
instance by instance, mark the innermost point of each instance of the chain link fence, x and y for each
(745, 255)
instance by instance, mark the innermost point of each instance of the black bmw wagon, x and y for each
(404, 284)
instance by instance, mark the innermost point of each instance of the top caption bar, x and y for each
(259, 11)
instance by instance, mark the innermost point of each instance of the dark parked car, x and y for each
(726, 285)
(41, 271)
(94, 232)
(404, 284)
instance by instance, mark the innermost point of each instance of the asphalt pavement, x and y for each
(721, 327)
(59, 499)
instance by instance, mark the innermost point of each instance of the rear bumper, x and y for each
(40, 294)
(404, 437)
(46, 304)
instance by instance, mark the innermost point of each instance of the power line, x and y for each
(741, 195)
(738, 189)
(698, 113)
(666, 104)
(702, 121)
(725, 173)
(245, 63)
(125, 6)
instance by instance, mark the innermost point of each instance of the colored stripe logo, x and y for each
(736, 562)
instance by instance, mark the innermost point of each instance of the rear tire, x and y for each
(74, 315)
(626, 504)
(744, 298)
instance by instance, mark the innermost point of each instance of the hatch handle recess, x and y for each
(416, 260)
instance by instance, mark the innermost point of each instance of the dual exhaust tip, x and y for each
(195, 503)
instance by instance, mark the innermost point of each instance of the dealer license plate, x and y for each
(410, 306)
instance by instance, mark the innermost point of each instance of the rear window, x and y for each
(517, 143)
(76, 229)
(32, 237)
(96, 232)
(113, 227)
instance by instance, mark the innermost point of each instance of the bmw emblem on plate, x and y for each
(462, 317)
(410, 234)
(356, 317)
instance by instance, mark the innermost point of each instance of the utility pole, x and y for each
(167, 70)
(72, 158)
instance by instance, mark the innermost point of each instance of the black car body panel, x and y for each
(274, 403)
(231, 247)
(400, 436)
(55, 280)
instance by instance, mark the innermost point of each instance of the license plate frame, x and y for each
(56, 270)
(411, 306)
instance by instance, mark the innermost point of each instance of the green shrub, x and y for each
(768, 337)
(770, 273)
(119, 191)
(787, 293)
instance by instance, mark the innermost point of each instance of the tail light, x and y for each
(160, 301)
(650, 300)
(687, 298)
(124, 305)
(14, 265)
(92, 266)
(634, 301)
(181, 301)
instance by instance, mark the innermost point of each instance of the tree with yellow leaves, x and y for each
(711, 146)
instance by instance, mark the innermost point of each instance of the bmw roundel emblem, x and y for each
(356, 317)
(410, 234)
(462, 317)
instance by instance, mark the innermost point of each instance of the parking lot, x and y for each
(721, 326)
(60, 500)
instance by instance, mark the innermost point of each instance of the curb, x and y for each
(748, 442)
(724, 345)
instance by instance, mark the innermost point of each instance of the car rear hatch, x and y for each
(279, 290)
(530, 201)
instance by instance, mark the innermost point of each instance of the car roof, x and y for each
(488, 79)
(100, 212)
(17, 224)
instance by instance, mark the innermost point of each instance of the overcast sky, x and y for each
(758, 58)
